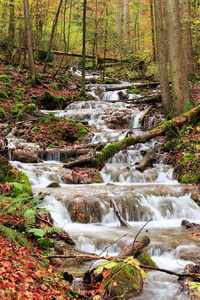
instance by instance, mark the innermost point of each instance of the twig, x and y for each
(139, 233)
(109, 246)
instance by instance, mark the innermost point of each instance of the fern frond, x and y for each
(14, 236)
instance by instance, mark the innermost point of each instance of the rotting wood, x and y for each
(78, 163)
(118, 214)
(108, 87)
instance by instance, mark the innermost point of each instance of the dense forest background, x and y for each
(117, 29)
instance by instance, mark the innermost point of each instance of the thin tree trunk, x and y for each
(162, 60)
(82, 93)
(119, 18)
(29, 40)
(126, 24)
(187, 36)
(105, 40)
(177, 63)
(153, 30)
(11, 28)
(52, 35)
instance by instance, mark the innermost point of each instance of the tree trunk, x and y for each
(119, 18)
(177, 63)
(162, 60)
(126, 25)
(29, 40)
(153, 30)
(82, 93)
(52, 35)
(187, 36)
(11, 28)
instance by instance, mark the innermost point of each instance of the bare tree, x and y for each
(29, 40)
(126, 24)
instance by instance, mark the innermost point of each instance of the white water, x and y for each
(152, 194)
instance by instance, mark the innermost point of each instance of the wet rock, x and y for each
(25, 156)
(53, 185)
(29, 112)
(80, 176)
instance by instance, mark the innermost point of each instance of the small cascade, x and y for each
(140, 196)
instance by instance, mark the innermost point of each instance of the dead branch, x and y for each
(118, 214)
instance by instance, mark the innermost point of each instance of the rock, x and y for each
(52, 103)
(28, 112)
(25, 156)
(53, 185)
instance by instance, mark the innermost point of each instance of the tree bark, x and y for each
(29, 40)
(126, 24)
(83, 49)
(177, 63)
(187, 36)
(119, 18)
(162, 59)
(11, 28)
(153, 30)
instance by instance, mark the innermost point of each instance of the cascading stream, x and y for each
(140, 196)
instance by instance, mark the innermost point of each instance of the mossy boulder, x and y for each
(12, 177)
(2, 113)
(146, 260)
(124, 281)
(3, 96)
(51, 103)
(28, 112)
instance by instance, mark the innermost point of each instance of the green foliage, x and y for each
(21, 92)
(14, 110)
(57, 87)
(3, 96)
(18, 98)
(2, 113)
(14, 236)
(4, 78)
(36, 129)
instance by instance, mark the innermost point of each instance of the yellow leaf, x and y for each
(97, 297)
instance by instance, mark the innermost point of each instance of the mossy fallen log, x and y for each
(101, 157)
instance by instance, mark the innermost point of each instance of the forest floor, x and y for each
(21, 274)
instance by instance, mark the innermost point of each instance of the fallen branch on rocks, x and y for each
(148, 159)
(141, 120)
(118, 214)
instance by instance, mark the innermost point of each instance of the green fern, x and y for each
(14, 236)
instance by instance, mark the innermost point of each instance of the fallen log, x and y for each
(118, 214)
(101, 157)
(78, 163)
(110, 88)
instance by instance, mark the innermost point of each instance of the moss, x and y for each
(36, 129)
(7, 85)
(31, 107)
(169, 134)
(81, 133)
(123, 281)
(4, 78)
(2, 113)
(50, 146)
(4, 96)
(57, 87)
(21, 92)
(133, 91)
(146, 260)
(18, 179)
(18, 98)
(168, 146)
(14, 110)
(26, 112)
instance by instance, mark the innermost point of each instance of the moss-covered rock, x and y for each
(28, 112)
(15, 178)
(3, 96)
(146, 260)
(123, 281)
(51, 103)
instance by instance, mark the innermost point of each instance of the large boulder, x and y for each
(25, 156)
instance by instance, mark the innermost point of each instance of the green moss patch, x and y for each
(18, 180)
(2, 113)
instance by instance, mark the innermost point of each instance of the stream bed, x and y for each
(140, 196)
